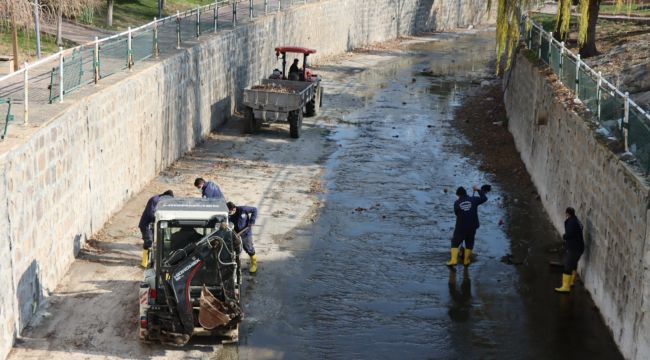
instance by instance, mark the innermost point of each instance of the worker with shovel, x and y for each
(465, 209)
(146, 221)
(575, 246)
(243, 218)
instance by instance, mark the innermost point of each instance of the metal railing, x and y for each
(618, 116)
(50, 79)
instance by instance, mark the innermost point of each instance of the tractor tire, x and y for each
(311, 107)
(295, 123)
(249, 121)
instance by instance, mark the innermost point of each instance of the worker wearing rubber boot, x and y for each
(208, 189)
(146, 221)
(574, 247)
(243, 218)
(466, 210)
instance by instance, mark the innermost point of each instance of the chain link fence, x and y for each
(49, 80)
(618, 116)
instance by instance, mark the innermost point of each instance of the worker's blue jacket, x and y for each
(148, 217)
(465, 209)
(244, 216)
(210, 190)
(573, 235)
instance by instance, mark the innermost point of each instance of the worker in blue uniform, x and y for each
(466, 211)
(208, 189)
(574, 247)
(243, 218)
(146, 222)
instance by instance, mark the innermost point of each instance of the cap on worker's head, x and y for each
(231, 205)
(461, 191)
(168, 193)
(295, 60)
(198, 181)
(571, 211)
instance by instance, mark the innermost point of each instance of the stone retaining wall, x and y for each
(69, 176)
(571, 166)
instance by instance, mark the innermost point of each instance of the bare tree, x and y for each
(19, 14)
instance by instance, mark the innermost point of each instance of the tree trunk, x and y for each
(161, 8)
(59, 27)
(109, 13)
(14, 40)
(589, 47)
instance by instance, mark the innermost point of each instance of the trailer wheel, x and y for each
(249, 121)
(295, 123)
(311, 107)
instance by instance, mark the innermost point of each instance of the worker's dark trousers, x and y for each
(147, 236)
(463, 236)
(247, 241)
(571, 258)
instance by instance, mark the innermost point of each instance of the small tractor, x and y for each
(284, 97)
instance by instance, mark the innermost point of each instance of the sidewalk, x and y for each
(76, 33)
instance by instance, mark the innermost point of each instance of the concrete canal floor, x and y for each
(353, 236)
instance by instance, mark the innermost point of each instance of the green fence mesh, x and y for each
(639, 137)
(113, 56)
(569, 71)
(142, 45)
(534, 40)
(77, 71)
(545, 53)
(5, 116)
(611, 113)
(555, 58)
(587, 91)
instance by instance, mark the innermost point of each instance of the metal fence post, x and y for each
(234, 13)
(178, 29)
(155, 49)
(250, 9)
(60, 74)
(215, 16)
(198, 21)
(96, 60)
(598, 92)
(530, 38)
(539, 50)
(550, 47)
(561, 61)
(577, 89)
(26, 102)
(626, 117)
(129, 51)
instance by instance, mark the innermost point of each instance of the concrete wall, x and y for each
(65, 181)
(571, 166)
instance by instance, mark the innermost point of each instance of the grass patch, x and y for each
(138, 12)
(631, 9)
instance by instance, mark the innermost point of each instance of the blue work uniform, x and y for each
(575, 244)
(243, 217)
(466, 210)
(146, 220)
(211, 190)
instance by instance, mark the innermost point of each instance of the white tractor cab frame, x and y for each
(194, 250)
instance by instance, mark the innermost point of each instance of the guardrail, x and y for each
(50, 79)
(618, 116)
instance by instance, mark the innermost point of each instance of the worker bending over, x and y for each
(146, 222)
(243, 218)
(574, 247)
(208, 189)
(467, 222)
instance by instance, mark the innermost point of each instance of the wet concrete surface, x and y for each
(368, 279)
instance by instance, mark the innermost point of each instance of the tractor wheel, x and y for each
(311, 107)
(249, 121)
(295, 123)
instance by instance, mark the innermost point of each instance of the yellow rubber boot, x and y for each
(253, 268)
(468, 254)
(454, 257)
(573, 277)
(145, 258)
(566, 284)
